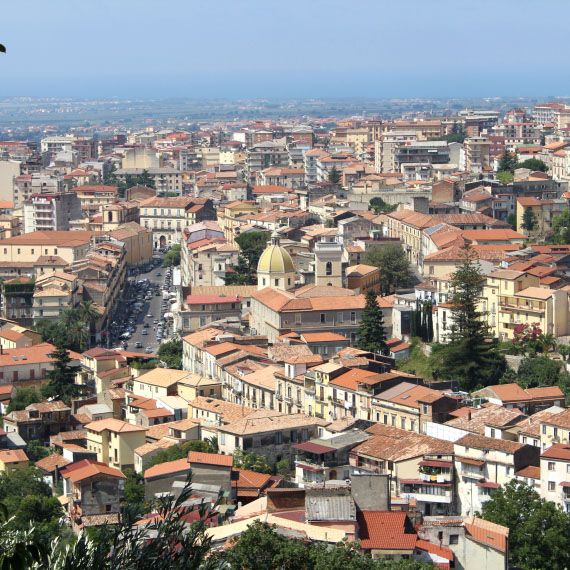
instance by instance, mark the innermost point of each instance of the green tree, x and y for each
(561, 228)
(251, 246)
(505, 177)
(335, 175)
(61, 378)
(379, 206)
(145, 179)
(24, 397)
(371, 333)
(538, 371)
(35, 450)
(471, 355)
(533, 164)
(512, 221)
(180, 451)
(529, 220)
(394, 266)
(172, 256)
(251, 461)
(508, 162)
(170, 353)
(134, 493)
(18, 548)
(538, 529)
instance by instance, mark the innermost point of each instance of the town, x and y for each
(348, 329)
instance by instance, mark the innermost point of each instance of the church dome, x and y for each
(275, 258)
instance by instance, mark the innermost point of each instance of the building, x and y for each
(477, 155)
(39, 421)
(543, 213)
(95, 493)
(200, 310)
(484, 464)
(13, 459)
(51, 212)
(275, 268)
(311, 308)
(165, 179)
(555, 475)
(167, 217)
(115, 442)
(54, 293)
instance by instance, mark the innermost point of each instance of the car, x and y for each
(146, 325)
(148, 350)
(144, 332)
(138, 344)
(149, 316)
(155, 322)
(125, 335)
(157, 294)
(158, 273)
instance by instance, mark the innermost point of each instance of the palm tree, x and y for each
(17, 547)
(88, 312)
(78, 334)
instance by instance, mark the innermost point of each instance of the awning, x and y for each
(565, 484)
(311, 468)
(422, 482)
(488, 485)
(436, 463)
(469, 461)
(311, 447)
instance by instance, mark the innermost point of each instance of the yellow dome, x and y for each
(275, 259)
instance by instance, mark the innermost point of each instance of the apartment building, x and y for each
(39, 421)
(94, 196)
(54, 293)
(115, 442)
(281, 176)
(555, 475)
(262, 155)
(386, 148)
(51, 212)
(207, 262)
(196, 311)
(477, 155)
(27, 185)
(483, 464)
(546, 308)
(165, 179)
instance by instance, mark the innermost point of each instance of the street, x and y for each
(129, 316)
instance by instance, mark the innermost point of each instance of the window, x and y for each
(568, 468)
(340, 317)
(386, 419)
(551, 465)
(543, 430)
(323, 318)
(278, 438)
(453, 538)
(276, 282)
(328, 270)
(492, 432)
(551, 486)
(353, 317)
(403, 423)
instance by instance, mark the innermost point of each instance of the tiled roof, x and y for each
(384, 530)
(475, 420)
(210, 459)
(265, 421)
(481, 442)
(111, 424)
(162, 377)
(168, 468)
(13, 456)
(394, 444)
(52, 462)
(228, 411)
(530, 471)
(92, 469)
(557, 451)
(488, 533)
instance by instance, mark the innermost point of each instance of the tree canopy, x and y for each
(371, 333)
(534, 164)
(529, 220)
(61, 378)
(394, 266)
(172, 256)
(379, 206)
(471, 356)
(561, 228)
(180, 451)
(170, 352)
(251, 246)
(538, 530)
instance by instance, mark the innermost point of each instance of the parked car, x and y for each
(138, 344)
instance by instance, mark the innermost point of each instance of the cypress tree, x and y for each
(429, 322)
(371, 334)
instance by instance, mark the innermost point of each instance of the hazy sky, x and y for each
(298, 48)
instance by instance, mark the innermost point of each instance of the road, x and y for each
(152, 307)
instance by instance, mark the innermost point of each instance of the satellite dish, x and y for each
(2, 48)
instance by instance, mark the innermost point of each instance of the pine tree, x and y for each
(471, 356)
(61, 377)
(508, 162)
(334, 175)
(429, 322)
(371, 334)
(529, 220)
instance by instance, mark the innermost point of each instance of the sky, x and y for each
(284, 48)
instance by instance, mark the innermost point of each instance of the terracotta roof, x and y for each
(168, 468)
(91, 469)
(30, 355)
(323, 337)
(52, 462)
(394, 444)
(210, 459)
(475, 420)
(162, 377)
(514, 393)
(488, 533)
(440, 551)
(264, 421)
(384, 530)
(557, 451)
(481, 442)
(111, 424)
(228, 411)
(13, 456)
(530, 471)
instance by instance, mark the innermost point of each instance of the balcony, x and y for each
(310, 392)
(428, 493)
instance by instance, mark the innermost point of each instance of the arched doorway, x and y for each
(162, 242)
